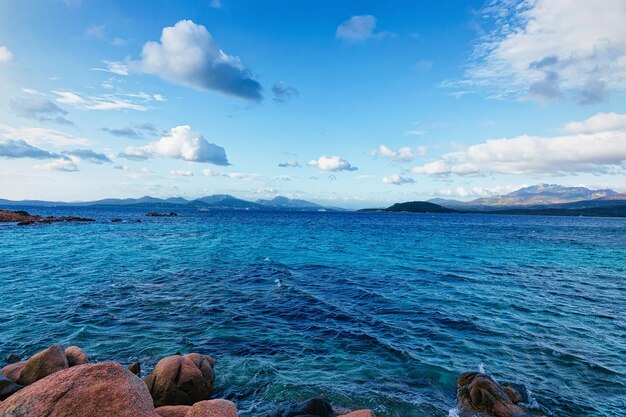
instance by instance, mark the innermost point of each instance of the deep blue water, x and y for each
(375, 310)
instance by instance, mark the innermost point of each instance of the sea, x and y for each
(371, 310)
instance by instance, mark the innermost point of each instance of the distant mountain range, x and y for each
(218, 201)
(542, 199)
(539, 196)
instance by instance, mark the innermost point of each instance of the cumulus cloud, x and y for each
(358, 29)
(289, 164)
(439, 167)
(598, 123)
(41, 136)
(595, 145)
(187, 54)
(89, 155)
(283, 92)
(533, 50)
(397, 179)
(181, 142)
(5, 55)
(182, 173)
(331, 163)
(39, 109)
(404, 154)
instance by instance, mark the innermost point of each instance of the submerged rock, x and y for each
(135, 368)
(318, 407)
(479, 393)
(42, 364)
(181, 380)
(8, 388)
(12, 358)
(75, 356)
(95, 390)
(155, 214)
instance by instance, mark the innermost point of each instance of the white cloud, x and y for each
(432, 168)
(404, 154)
(547, 47)
(331, 163)
(102, 102)
(187, 54)
(114, 67)
(359, 28)
(397, 179)
(182, 173)
(477, 191)
(67, 97)
(289, 164)
(5, 55)
(415, 132)
(598, 123)
(41, 136)
(216, 4)
(180, 143)
(587, 148)
(61, 164)
(231, 175)
(282, 178)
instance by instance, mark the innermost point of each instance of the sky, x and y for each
(351, 103)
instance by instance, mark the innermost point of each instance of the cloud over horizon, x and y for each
(596, 145)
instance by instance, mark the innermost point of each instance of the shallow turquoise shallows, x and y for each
(375, 310)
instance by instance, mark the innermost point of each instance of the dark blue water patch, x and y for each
(372, 310)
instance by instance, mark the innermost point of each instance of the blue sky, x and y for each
(352, 103)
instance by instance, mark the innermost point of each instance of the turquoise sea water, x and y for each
(375, 310)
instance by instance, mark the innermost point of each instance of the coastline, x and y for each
(61, 382)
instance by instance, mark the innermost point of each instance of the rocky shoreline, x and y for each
(58, 382)
(23, 218)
